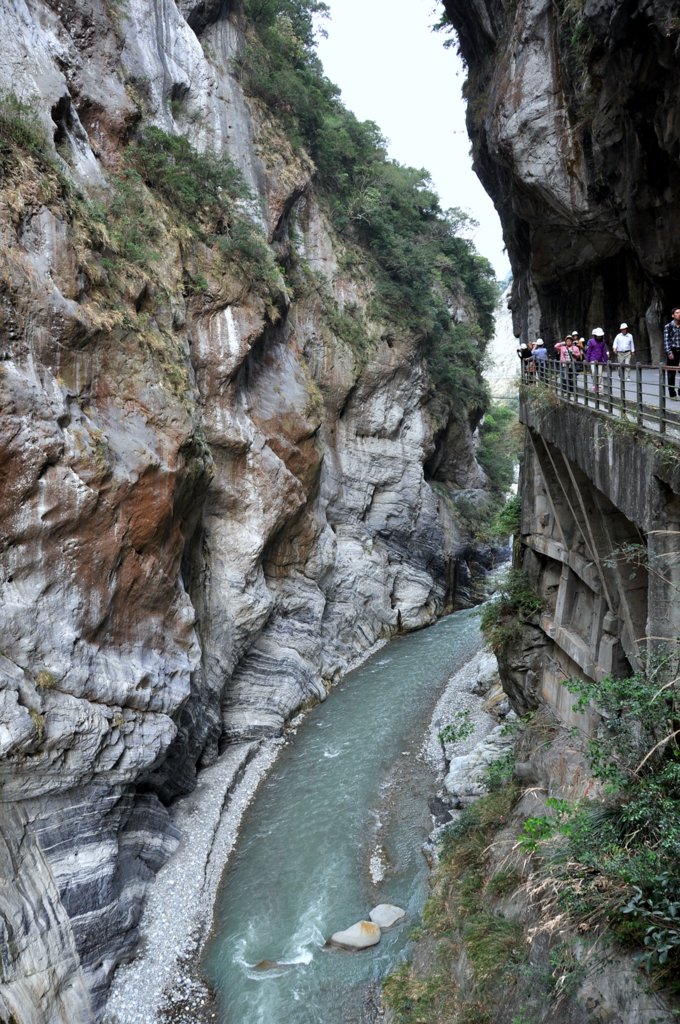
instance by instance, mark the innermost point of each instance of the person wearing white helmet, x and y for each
(597, 355)
(570, 355)
(541, 359)
(624, 348)
(581, 342)
(525, 354)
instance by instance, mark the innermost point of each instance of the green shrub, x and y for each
(623, 864)
(461, 729)
(132, 229)
(515, 602)
(199, 192)
(499, 772)
(21, 128)
(506, 523)
(459, 916)
(637, 728)
(200, 185)
(499, 449)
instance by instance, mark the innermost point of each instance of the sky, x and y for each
(394, 70)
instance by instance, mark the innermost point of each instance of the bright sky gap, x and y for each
(394, 70)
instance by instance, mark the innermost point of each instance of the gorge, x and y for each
(230, 449)
(240, 377)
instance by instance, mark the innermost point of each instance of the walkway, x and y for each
(643, 398)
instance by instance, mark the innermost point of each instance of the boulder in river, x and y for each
(268, 965)
(358, 936)
(385, 915)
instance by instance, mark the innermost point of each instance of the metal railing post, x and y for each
(597, 381)
(622, 390)
(586, 375)
(638, 392)
(662, 399)
(610, 396)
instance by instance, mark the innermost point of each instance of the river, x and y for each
(337, 828)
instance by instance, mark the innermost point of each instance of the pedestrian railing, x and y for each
(644, 394)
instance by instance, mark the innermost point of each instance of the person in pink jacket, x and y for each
(597, 355)
(570, 355)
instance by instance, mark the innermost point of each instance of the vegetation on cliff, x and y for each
(515, 602)
(555, 896)
(459, 920)
(535, 899)
(614, 863)
(171, 219)
(426, 280)
(387, 215)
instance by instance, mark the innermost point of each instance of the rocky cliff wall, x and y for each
(211, 502)
(574, 122)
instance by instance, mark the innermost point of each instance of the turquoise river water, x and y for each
(336, 828)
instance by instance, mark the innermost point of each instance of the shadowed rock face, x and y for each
(210, 504)
(572, 109)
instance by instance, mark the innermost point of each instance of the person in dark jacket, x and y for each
(597, 355)
(671, 345)
(524, 353)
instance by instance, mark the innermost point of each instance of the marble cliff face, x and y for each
(572, 108)
(210, 503)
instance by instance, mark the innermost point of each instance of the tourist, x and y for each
(624, 348)
(541, 359)
(597, 355)
(575, 337)
(570, 356)
(525, 354)
(671, 344)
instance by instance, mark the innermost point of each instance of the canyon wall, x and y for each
(573, 116)
(213, 499)
(575, 132)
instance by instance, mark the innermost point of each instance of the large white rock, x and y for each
(359, 936)
(466, 779)
(385, 915)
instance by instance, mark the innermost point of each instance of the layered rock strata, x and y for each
(211, 504)
(573, 116)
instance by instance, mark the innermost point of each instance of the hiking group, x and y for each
(574, 353)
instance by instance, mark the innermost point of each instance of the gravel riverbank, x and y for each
(178, 910)
(164, 984)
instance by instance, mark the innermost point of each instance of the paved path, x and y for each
(636, 402)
